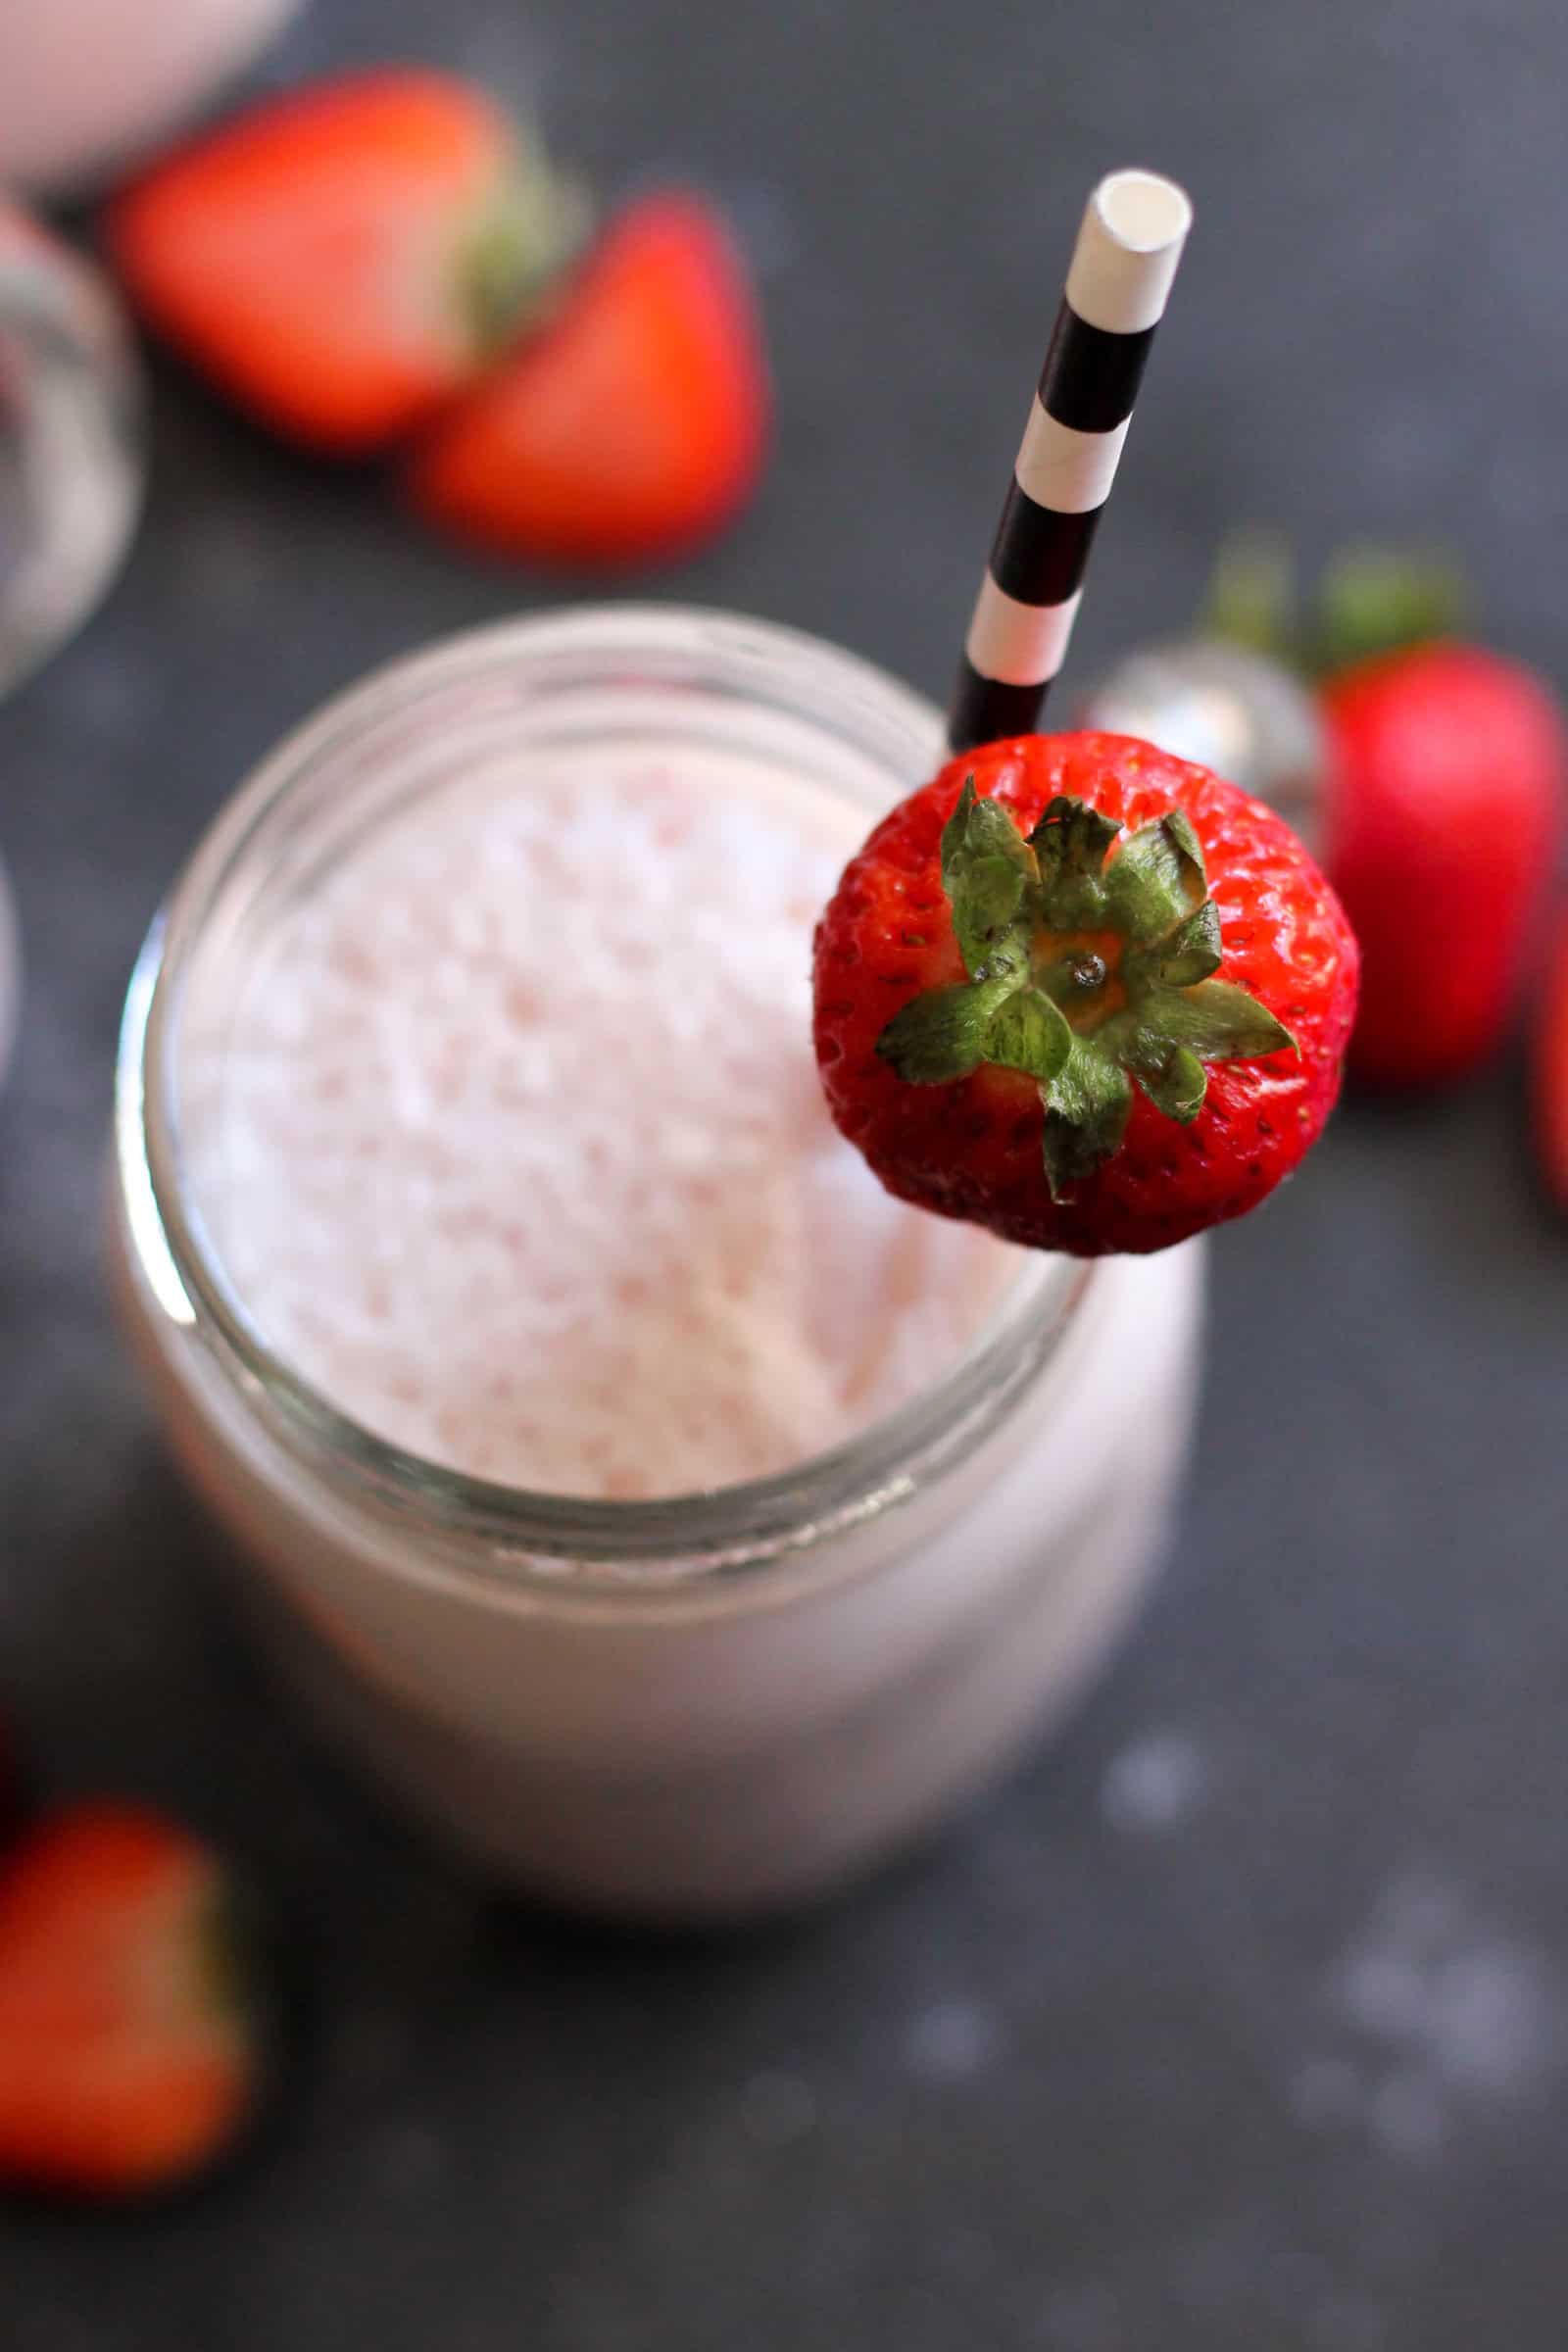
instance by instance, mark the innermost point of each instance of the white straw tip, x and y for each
(1144, 212)
(1134, 227)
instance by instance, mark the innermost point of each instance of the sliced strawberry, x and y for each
(629, 427)
(341, 259)
(1549, 1073)
(128, 2052)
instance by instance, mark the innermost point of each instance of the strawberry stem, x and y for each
(1370, 601)
(523, 247)
(1375, 600)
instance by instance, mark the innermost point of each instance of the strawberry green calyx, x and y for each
(1370, 601)
(1088, 972)
(527, 240)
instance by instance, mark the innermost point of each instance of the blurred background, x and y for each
(1241, 2018)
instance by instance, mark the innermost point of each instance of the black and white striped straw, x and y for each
(1131, 240)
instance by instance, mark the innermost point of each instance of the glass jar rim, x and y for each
(718, 1530)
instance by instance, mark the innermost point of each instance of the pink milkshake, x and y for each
(516, 1144)
(663, 1511)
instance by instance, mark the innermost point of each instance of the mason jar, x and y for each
(711, 1704)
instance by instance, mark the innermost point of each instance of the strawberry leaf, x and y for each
(956, 834)
(1028, 1033)
(1158, 880)
(1069, 842)
(985, 899)
(1193, 949)
(1215, 1021)
(989, 874)
(941, 1035)
(1375, 600)
(1175, 1082)
(1087, 1104)
(980, 829)
(1251, 597)
(1072, 838)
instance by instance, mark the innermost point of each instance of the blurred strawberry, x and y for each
(128, 2048)
(1443, 798)
(632, 425)
(341, 259)
(1550, 1070)
(1446, 799)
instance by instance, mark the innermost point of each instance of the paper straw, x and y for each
(1134, 227)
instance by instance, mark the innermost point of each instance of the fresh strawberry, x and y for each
(340, 260)
(129, 2056)
(1446, 800)
(632, 425)
(1017, 996)
(1549, 1072)
(1443, 789)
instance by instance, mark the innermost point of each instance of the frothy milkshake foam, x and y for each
(514, 1146)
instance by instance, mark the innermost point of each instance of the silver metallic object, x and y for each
(1232, 711)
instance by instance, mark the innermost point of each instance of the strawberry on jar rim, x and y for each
(1084, 994)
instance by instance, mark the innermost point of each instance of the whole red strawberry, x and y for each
(1446, 791)
(129, 2052)
(1084, 994)
(343, 259)
(632, 425)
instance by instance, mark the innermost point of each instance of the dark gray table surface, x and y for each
(1240, 2019)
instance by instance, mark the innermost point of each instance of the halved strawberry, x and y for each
(343, 259)
(129, 2050)
(1084, 994)
(632, 425)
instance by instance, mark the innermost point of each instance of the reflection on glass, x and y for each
(70, 451)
